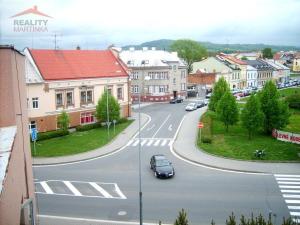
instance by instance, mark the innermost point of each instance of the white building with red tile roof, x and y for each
(73, 81)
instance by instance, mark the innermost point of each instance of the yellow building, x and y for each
(296, 63)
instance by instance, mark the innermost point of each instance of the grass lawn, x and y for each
(77, 142)
(289, 91)
(294, 125)
(235, 144)
(295, 75)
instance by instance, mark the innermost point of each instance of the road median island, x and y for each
(235, 144)
(78, 142)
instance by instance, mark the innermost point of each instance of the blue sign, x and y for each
(33, 134)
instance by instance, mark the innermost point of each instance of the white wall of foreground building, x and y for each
(251, 76)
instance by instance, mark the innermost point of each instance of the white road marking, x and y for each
(291, 196)
(289, 186)
(150, 142)
(295, 213)
(156, 143)
(143, 142)
(164, 142)
(117, 189)
(136, 143)
(287, 179)
(286, 175)
(290, 191)
(170, 127)
(161, 125)
(292, 201)
(294, 207)
(130, 142)
(100, 189)
(46, 187)
(72, 188)
(283, 182)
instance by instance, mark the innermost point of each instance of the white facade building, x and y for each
(251, 76)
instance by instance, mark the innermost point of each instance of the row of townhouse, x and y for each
(74, 80)
(158, 75)
(290, 59)
(243, 73)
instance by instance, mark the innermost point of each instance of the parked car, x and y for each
(206, 101)
(176, 100)
(200, 104)
(208, 95)
(191, 106)
(161, 166)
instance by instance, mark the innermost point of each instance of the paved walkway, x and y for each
(115, 145)
(185, 147)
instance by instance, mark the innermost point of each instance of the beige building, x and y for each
(17, 199)
(158, 75)
(296, 63)
(73, 81)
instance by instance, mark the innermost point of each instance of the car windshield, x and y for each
(163, 162)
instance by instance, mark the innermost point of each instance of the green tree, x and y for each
(267, 53)
(191, 51)
(227, 110)
(220, 87)
(63, 121)
(113, 108)
(276, 112)
(182, 218)
(252, 116)
(244, 58)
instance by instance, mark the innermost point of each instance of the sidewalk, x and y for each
(185, 146)
(115, 145)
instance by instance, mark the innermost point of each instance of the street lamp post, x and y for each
(144, 62)
(107, 112)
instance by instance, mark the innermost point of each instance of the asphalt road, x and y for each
(107, 188)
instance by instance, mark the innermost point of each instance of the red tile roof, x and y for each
(77, 64)
(235, 60)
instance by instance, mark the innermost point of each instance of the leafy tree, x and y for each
(231, 220)
(244, 58)
(227, 110)
(191, 51)
(267, 53)
(276, 113)
(182, 218)
(220, 87)
(252, 116)
(63, 121)
(113, 108)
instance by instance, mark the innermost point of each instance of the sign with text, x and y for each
(286, 136)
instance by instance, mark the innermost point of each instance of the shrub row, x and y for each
(294, 100)
(51, 134)
(86, 127)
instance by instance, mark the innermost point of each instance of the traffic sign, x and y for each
(200, 125)
(33, 134)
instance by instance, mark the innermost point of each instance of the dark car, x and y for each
(176, 100)
(200, 104)
(161, 166)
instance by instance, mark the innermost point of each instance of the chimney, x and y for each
(78, 47)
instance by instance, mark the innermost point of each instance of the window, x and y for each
(86, 97)
(69, 98)
(135, 75)
(87, 118)
(32, 124)
(135, 88)
(174, 67)
(174, 80)
(182, 74)
(183, 86)
(35, 103)
(59, 99)
(120, 93)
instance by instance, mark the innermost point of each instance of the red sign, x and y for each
(200, 125)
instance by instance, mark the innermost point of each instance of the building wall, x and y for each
(18, 184)
(296, 65)
(46, 114)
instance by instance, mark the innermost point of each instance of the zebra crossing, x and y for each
(79, 189)
(148, 142)
(289, 186)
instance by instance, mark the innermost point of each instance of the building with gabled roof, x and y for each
(73, 81)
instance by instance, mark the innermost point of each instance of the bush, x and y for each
(207, 140)
(51, 134)
(91, 126)
(122, 120)
(294, 100)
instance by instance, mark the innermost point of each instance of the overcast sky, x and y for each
(95, 24)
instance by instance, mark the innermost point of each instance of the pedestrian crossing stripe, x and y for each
(289, 186)
(147, 142)
(79, 189)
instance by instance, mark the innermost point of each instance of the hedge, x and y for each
(51, 134)
(81, 128)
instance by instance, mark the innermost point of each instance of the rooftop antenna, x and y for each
(56, 40)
